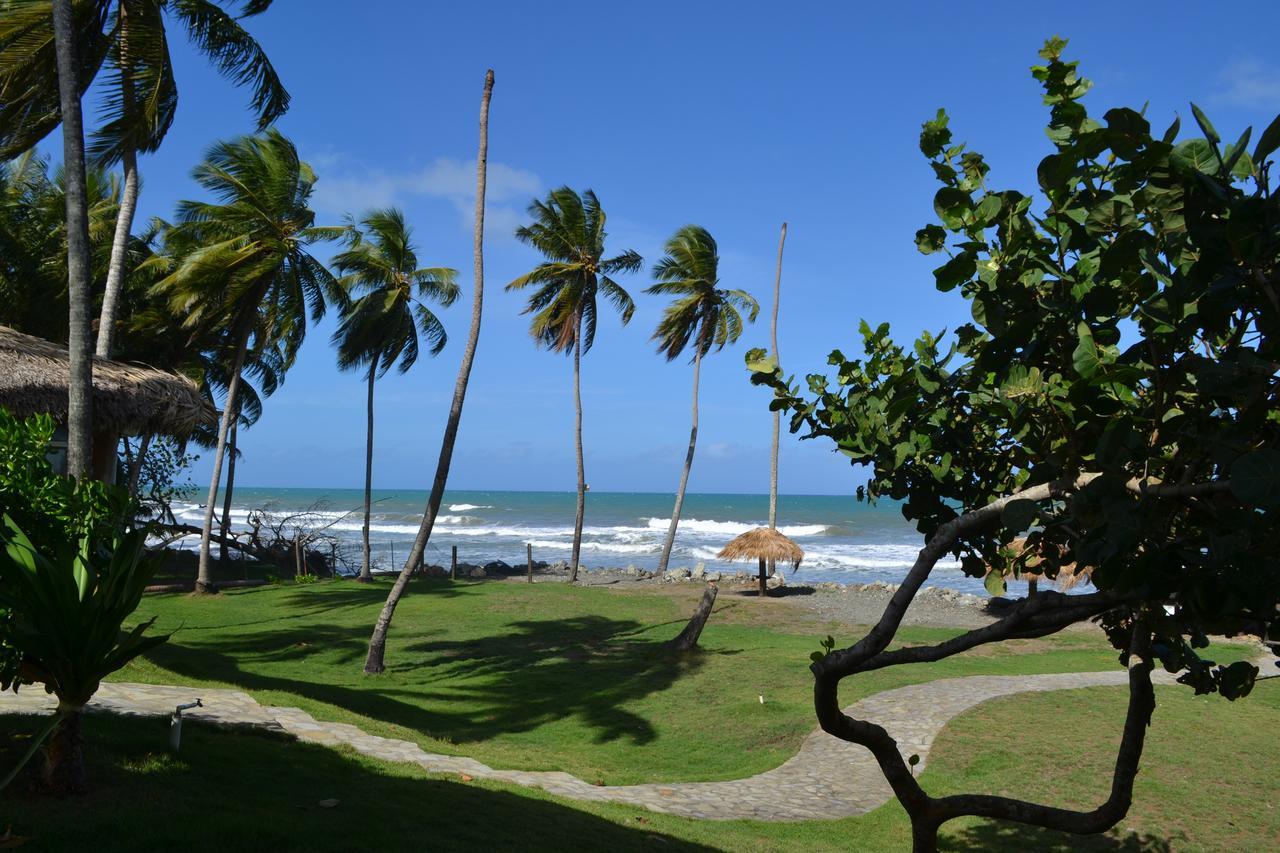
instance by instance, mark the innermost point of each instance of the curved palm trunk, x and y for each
(684, 477)
(378, 642)
(225, 526)
(119, 249)
(366, 570)
(777, 416)
(79, 337)
(63, 771)
(577, 443)
(204, 577)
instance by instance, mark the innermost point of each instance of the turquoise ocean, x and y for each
(844, 540)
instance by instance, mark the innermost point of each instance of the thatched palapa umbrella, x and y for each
(764, 545)
(128, 399)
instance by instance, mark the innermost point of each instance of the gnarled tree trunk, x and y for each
(684, 476)
(374, 660)
(79, 336)
(688, 638)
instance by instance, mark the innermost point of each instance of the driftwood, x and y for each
(688, 638)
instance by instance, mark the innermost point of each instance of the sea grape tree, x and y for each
(1112, 406)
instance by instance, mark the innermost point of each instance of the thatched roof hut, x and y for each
(765, 545)
(128, 399)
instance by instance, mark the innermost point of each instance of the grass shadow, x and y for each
(255, 791)
(999, 835)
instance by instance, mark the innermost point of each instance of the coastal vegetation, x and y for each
(1109, 415)
(1113, 404)
(568, 229)
(387, 308)
(701, 316)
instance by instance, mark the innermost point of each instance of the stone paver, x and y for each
(828, 778)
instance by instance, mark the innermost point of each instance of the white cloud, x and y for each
(343, 188)
(1249, 83)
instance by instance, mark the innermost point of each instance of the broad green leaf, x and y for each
(760, 361)
(1085, 358)
(1255, 479)
(1205, 125)
(955, 272)
(1018, 515)
(995, 583)
(1268, 142)
(1195, 155)
(930, 239)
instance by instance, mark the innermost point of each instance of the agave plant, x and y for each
(69, 604)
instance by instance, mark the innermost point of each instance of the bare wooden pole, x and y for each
(453, 564)
(529, 556)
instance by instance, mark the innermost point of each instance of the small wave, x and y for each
(467, 507)
(732, 528)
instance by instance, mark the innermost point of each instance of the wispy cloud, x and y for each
(1249, 82)
(346, 187)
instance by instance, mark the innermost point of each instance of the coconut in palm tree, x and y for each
(568, 229)
(702, 316)
(388, 310)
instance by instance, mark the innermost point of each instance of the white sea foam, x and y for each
(467, 507)
(733, 528)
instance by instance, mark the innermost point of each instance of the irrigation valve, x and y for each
(175, 723)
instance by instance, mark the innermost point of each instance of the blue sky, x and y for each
(735, 116)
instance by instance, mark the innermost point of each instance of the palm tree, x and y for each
(777, 414)
(381, 325)
(702, 316)
(79, 345)
(373, 662)
(240, 264)
(142, 94)
(568, 230)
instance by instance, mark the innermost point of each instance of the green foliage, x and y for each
(383, 322)
(50, 507)
(70, 599)
(164, 477)
(1125, 335)
(827, 645)
(568, 229)
(306, 579)
(702, 313)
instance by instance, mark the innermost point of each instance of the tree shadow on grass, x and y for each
(998, 835)
(535, 672)
(255, 791)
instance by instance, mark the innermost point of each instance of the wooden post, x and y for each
(764, 579)
(529, 556)
(453, 565)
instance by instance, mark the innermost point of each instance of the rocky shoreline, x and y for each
(859, 604)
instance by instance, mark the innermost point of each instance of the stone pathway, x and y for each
(828, 778)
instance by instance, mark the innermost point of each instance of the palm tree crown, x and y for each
(242, 259)
(384, 320)
(569, 230)
(702, 313)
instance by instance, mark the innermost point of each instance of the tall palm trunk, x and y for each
(688, 463)
(119, 249)
(225, 526)
(777, 416)
(378, 642)
(577, 444)
(204, 577)
(128, 201)
(366, 570)
(79, 337)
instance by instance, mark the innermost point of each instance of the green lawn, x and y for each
(548, 677)
(1207, 783)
